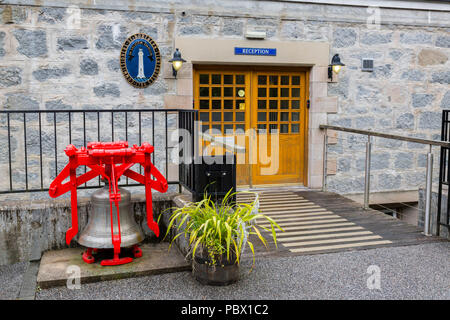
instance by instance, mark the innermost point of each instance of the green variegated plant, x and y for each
(220, 230)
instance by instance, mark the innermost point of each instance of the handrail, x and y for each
(370, 134)
(387, 136)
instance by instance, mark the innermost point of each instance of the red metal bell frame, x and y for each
(102, 158)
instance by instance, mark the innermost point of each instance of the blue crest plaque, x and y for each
(140, 60)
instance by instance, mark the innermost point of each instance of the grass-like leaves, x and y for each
(220, 229)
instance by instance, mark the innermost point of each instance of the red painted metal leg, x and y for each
(116, 261)
(137, 251)
(73, 230)
(148, 195)
(87, 256)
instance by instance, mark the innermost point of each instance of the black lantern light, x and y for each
(177, 62)
(335, 66)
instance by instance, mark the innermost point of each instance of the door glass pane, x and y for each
(284, 104)
(295, 116)
(285, 116)
(228, 104)
(273, 128)
(216, 104)
(273, 104)
(240, 128)
(284, 92)
(273, 92)
(284, 80)
(262, 104)
(273, 80)
(217, 116)
(217, 129)
(204, 104)
(294, 127)
(295, 80)
(295, 104)
(262, 116)
(228, 128)
(204, 79)
(240, 79)
(205, 128)
(262, 128)
(216, 92)
(228, 79)
(273, 116)
(228, 92)
(215, 79)
(228, 116)
(240, 104)
(284, 128)
(204, 116)
(204, 92)
(262, 80)
(262, 92)
(240, 116)
(295, 92)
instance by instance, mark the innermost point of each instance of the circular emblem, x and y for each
(140, 60)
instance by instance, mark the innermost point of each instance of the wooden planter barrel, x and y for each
(215, 275)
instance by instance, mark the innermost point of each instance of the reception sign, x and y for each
(255, 51)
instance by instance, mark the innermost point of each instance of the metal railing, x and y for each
(444, 172)
(368, 151)
(186, 166)
(33, 141)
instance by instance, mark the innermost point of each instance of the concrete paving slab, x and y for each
(11, 278)
(28, 288)
(409, 272)
(54, 269)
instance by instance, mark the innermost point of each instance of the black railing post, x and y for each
(444, 174)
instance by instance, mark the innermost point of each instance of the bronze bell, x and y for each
(97, 233)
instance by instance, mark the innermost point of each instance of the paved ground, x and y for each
(406, 272)
(11, 277)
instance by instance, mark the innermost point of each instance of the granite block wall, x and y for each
(65, 55)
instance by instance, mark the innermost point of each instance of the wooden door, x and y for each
(279, 106)
(223, 100)
(256, 101)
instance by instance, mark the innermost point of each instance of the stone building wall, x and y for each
(66, 56)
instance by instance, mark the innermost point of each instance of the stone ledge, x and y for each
(82, 201)
(44, 224)
(156, 259)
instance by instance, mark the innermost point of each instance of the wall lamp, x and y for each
(177, 62)
(335, 66)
